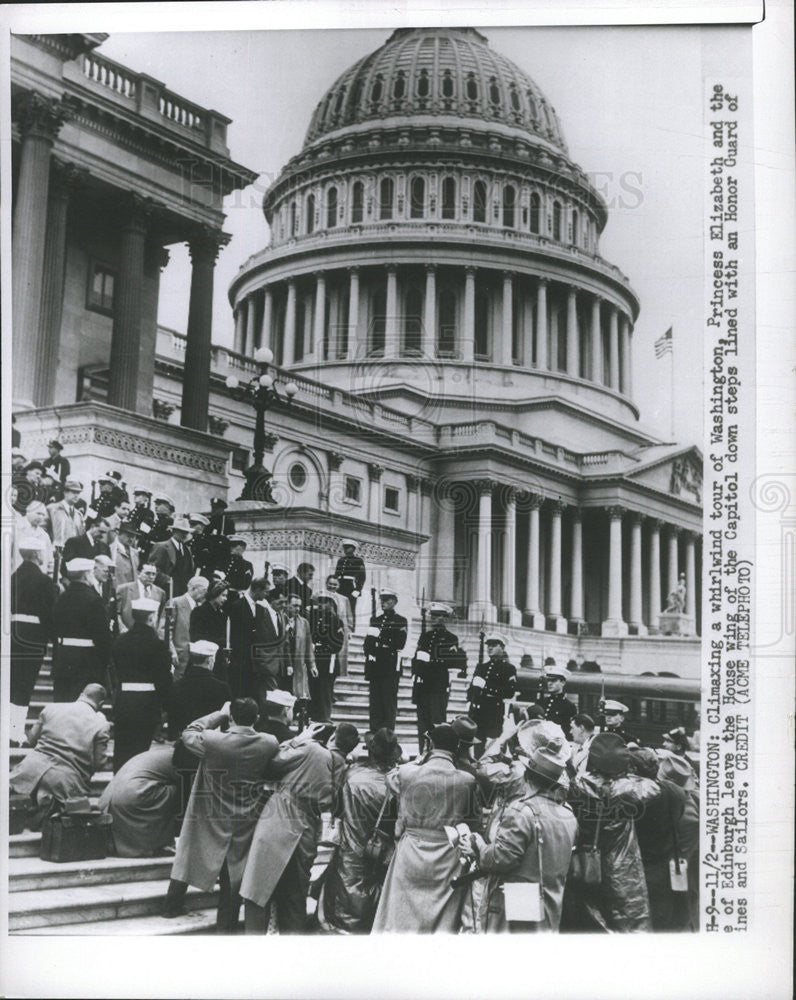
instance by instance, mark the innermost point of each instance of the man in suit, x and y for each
(224, 805)
(270, 653)
(301, 585)
(385, 638)
(66, 520)
(89, 545)
(33, 595)
(144, 586)
(82, 634)
(173, 560)
(244, 636)
(124, 553)
(181, 630)
(300, 658)
(350, 571)
(70, 743)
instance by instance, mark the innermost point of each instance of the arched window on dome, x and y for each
(536, 213)
(557, 220)
(509, 202)
(449, 198)
(471, 87)
(417, 198)
(574, 234)
(532, 105)
(338, 104)
(386, 193)
(331, 208)
(357, 201)
(399, 88)
(423, 89)
(448, 89)
(514, 97)
(479, 201)
(310, 216)
(413, 320)
(447, 325)
(375, 92)
(494, 95)
(356, 97)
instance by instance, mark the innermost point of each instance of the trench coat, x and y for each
(417, 895)
(142, 800)
(311, 777)
(620, 902)
(225, 800)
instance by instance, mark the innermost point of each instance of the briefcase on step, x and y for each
(19, 812)
(75, 837)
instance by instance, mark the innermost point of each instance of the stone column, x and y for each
(636, 617)
(39, 120)
(573, 342)
(624, 341)
(375, 472)
(614, 625)
(596, 342)
(532, 605)
(508, 597)
(289, 349)
(127, 312)
(613, 353)
(315, 353)
(240, 327)
(506, 354)
(353, 310)
(430, 313)
(655, 603)
(576, 584)
(391, 319)
(204, 247)
(483, 608)
(251, 319)
(554, 568)
(65, 176)
(541, 324)
(413, 505)
(266, 334)
(334, 326)
(673, 567)
(690, 577)
(468, 331)
(442, 528)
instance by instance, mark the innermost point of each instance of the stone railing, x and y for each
(110, 74)
(178, 110)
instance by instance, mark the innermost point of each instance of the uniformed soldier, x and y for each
(557, 707)
(142, 517)
(437, 653)
(279, 577)
(200, 546)
(111, 494)
(493, 682)
(238, 571)
(221, 523)
(58, 467)
(140, 683)
(164, 519)
(614, 713)
(82, 634)
(33, 595)
(385, 638)
(350, 571)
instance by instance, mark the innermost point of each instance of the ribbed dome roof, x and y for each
(437, 72)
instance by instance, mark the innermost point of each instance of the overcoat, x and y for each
(311, 777)
(417, 896)
(172, 563)
(225, 800)
(142, 799)
(300, 654)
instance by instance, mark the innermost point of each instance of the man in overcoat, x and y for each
(173, 559)
(224, 804)
(300, 669)
(181, 626)
(89, 545)
(66, 521)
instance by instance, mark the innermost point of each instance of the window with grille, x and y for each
(100, 290)
(386, 190)
(353, 489)
(331, 208)
(392, 498)
(357, 201)
(449, 198)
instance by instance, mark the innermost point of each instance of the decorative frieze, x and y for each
(327, 543)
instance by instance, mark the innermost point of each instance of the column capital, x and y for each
(544, 282)
(635, 516)
(138, 213)
(38, 115)
(577, 513)
(375, 471)
(655, 523)
(354, 270)
(509, 275)
(162, 257)
(426, 486)
(674, 530)
(65, 177)
(335, 460)
(558, 506)
(508, 493)
(596, 299)
(470, 270)
(615, 512)
(484, 486)
(528, 500)
(412, 483)
(320, 278)
(391, 268)
(573, 289)
(205, 243)
(431, 268)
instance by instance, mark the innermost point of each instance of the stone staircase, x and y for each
(123, 895)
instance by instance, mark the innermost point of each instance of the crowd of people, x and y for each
(221, 681)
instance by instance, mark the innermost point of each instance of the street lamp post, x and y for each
(263, 391)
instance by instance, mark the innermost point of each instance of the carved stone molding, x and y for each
(39, 116)
(484, 486)
(217, 425)
(308, 539)
(375, 471)
(161, 409)
(269, 441)
(335, 460)
(615, 512)
(205, 244)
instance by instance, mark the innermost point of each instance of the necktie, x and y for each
(146, 591)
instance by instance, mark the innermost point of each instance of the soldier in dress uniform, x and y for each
(218, 531)
(614, 713)
(238, 571)
(557, 707)
(82, 634)
(350, 571)
(58, 467)
(164, 519)
(385, 638)
(140, 683)
(437, 653)
(111, 493)
(221, 523)
(493, 682)
(33, 595)
(142, 517)
(200, 546)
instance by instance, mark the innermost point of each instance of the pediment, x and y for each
(679, 474)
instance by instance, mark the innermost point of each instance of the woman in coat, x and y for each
(606, 799)
(209, 623)
(351, 885)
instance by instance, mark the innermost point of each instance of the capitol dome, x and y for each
(426, 72)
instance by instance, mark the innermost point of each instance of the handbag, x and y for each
(379, 844)
(586, 867)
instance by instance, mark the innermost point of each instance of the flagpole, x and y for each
(671, 375)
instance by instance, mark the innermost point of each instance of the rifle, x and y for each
(601, 705)
(417, 680)
(57, 556)
(168, 623)
(372, 602)
(423, 610)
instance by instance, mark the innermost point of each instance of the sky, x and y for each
(630, 103)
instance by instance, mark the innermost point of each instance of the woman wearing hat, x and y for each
(209, 621)
(529, 840)
(352, 884)
(606, 799)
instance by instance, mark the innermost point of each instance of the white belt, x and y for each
(349, 578)
(33, 619)
(138, 687)
(77, 642)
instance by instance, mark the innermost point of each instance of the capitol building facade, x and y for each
(463, 356)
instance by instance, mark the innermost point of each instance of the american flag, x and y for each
(663, 345)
